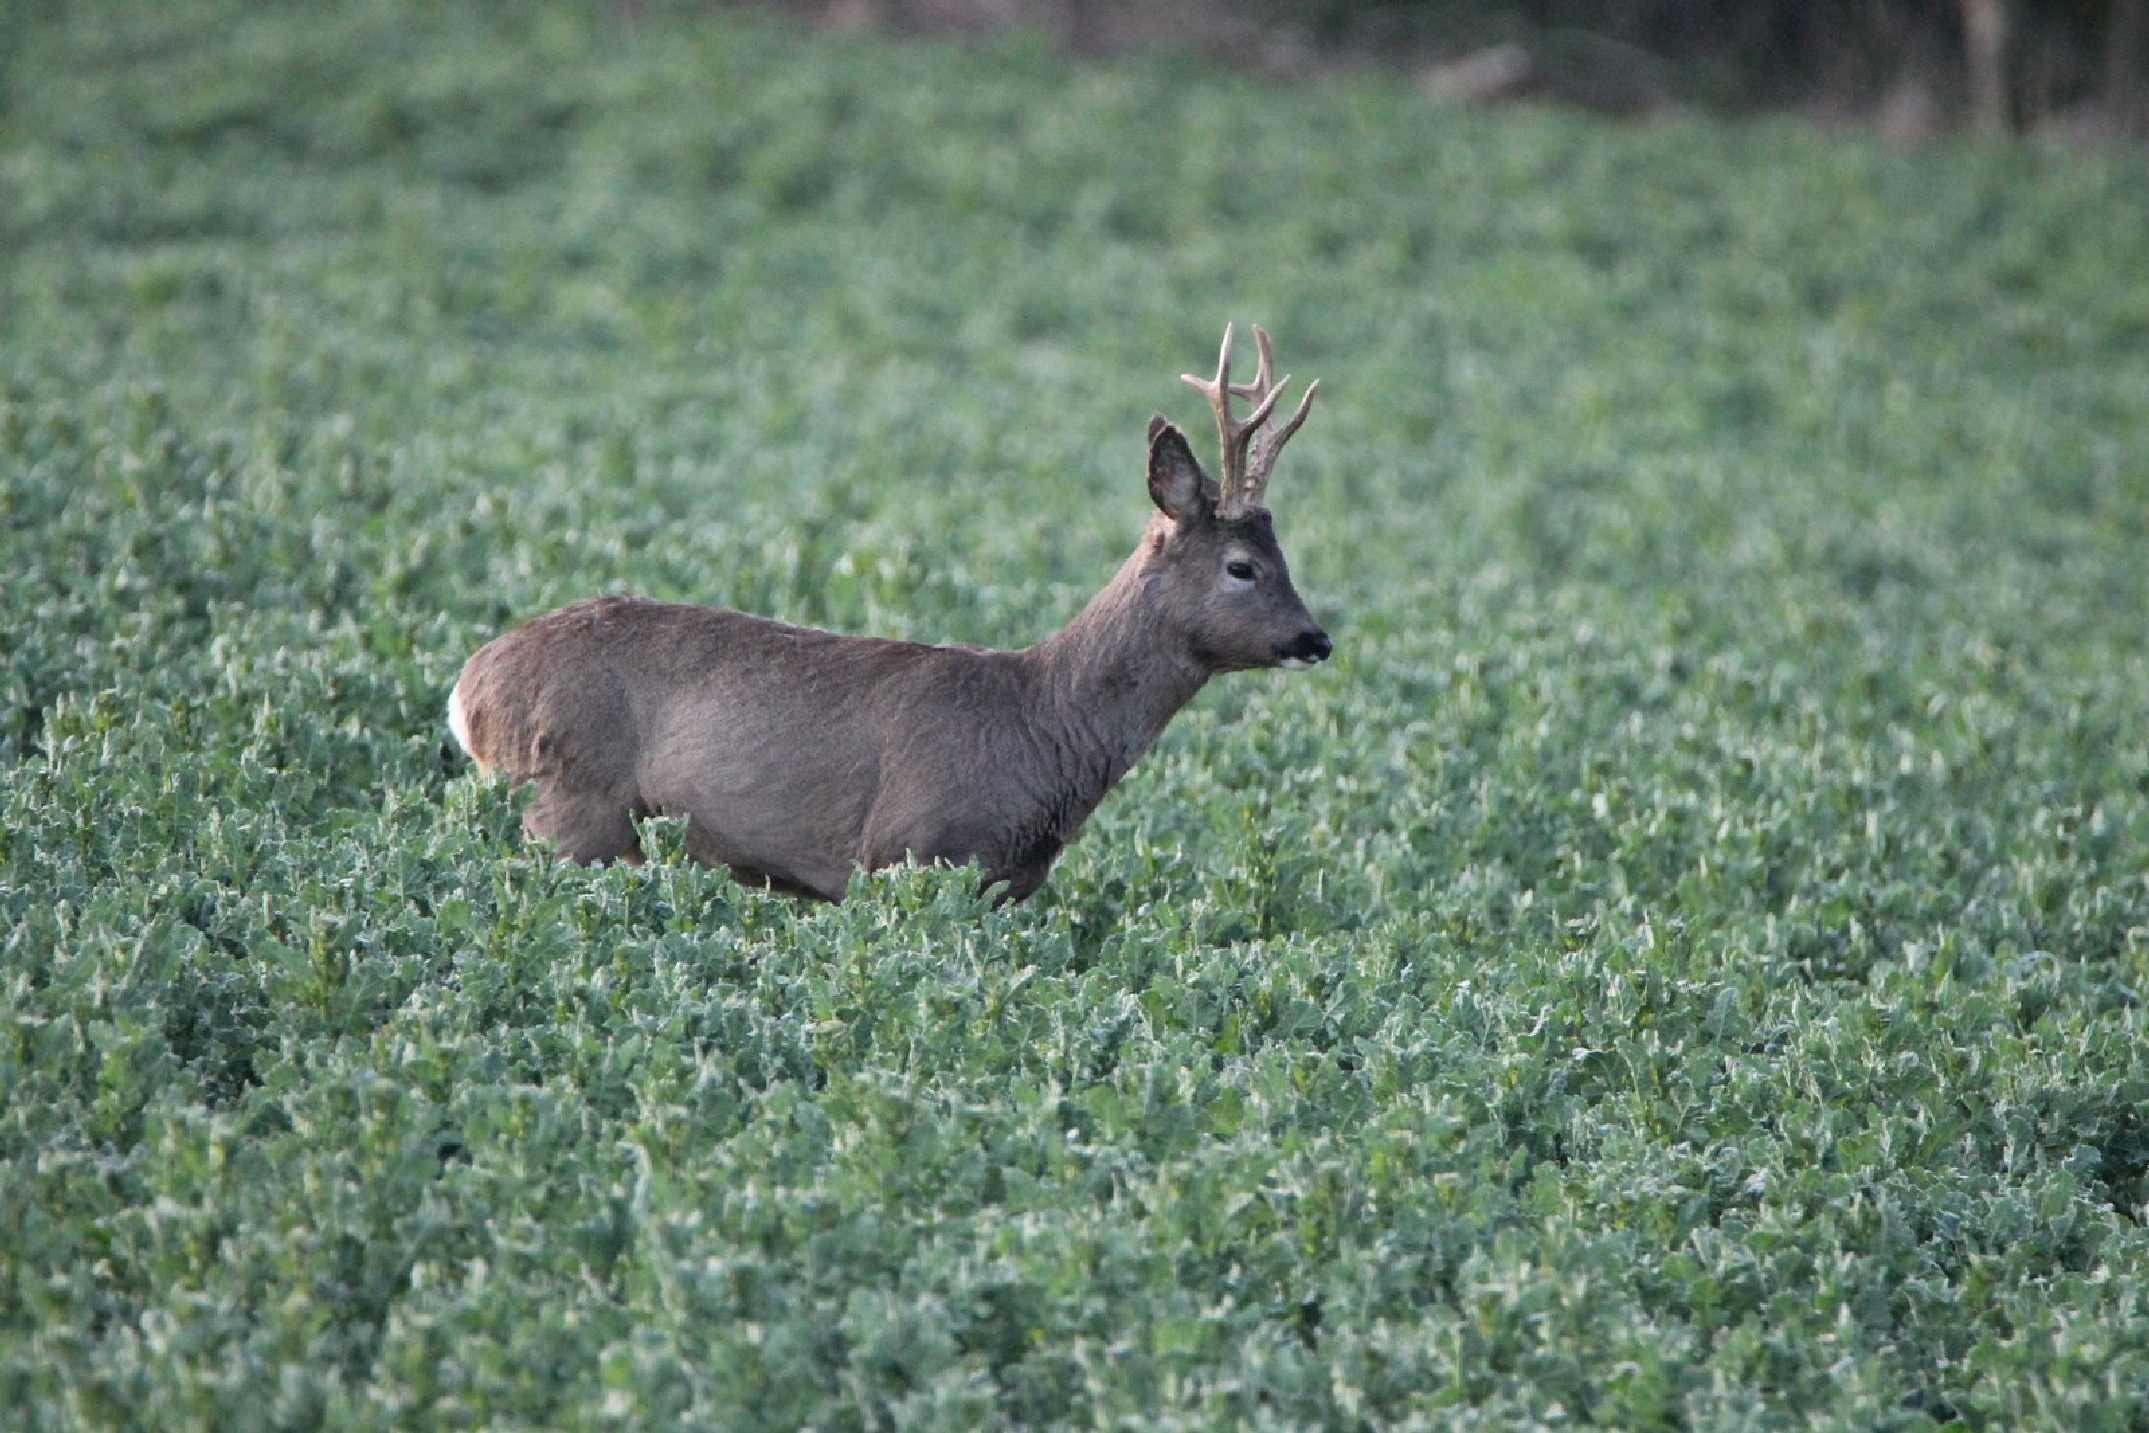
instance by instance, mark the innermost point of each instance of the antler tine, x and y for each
(1231, 438)
(1245, 474)
(1261, 389)
(1260, 385)
(1269, 443)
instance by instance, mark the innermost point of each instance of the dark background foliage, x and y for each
(2077, 67)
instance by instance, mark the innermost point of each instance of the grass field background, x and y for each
(1681, 965)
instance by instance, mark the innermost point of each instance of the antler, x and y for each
(1249, 449)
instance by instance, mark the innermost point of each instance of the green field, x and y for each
(1682, 965)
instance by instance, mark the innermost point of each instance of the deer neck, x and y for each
(1111, 680)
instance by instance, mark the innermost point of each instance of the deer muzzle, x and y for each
(1306, 650)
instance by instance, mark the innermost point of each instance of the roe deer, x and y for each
(796, 755)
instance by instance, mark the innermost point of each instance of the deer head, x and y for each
(1211, 553)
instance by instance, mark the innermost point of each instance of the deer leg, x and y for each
(590, 828)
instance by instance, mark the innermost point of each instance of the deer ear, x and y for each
(1176, 482)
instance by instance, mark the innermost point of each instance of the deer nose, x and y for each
(1310, 647)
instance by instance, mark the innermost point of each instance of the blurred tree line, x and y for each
(1916, 65)
(1994, 64)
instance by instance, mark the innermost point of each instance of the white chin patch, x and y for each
(1294, 664)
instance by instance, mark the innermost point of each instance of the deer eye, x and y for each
(1241, 569)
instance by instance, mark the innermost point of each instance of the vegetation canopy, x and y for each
(1680, 964)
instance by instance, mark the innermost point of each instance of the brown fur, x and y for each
(797, 755)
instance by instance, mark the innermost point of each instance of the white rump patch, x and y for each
(456, 721)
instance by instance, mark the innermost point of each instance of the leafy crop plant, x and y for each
(1679, 965)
